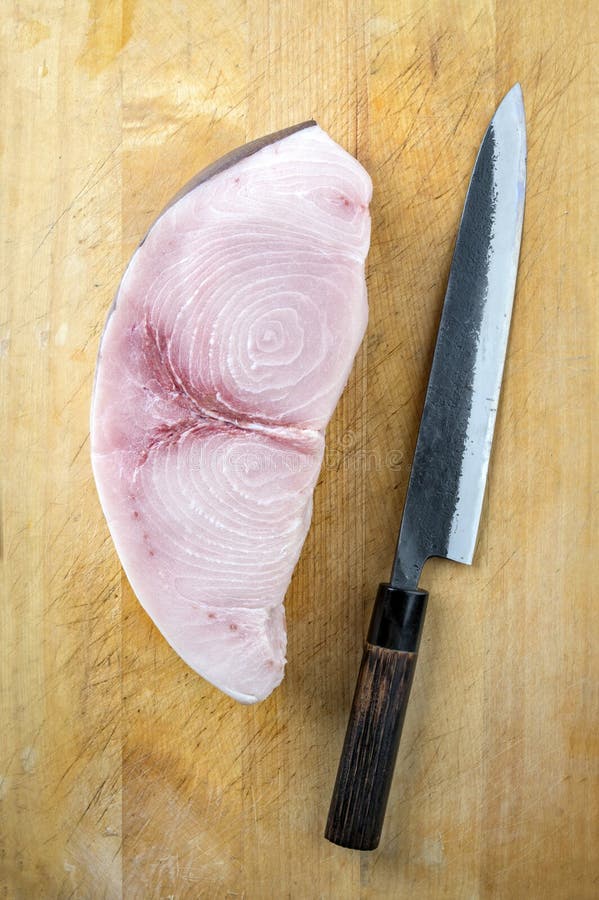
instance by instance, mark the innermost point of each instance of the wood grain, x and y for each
(378, 710)
(367, 760)
(122, 774)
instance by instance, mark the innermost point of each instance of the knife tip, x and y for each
(510, 114)
(514, 97)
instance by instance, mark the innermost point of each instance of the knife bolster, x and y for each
(397, 618)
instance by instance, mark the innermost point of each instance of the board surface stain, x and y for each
(110, 29)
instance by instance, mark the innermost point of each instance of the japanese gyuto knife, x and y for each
(449, 470)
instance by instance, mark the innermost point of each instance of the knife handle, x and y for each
(376, 719)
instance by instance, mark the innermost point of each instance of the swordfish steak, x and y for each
(229, 342)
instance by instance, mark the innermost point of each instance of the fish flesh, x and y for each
(230, 340)
(226, 349)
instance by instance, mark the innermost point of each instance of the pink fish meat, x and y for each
(230, 340)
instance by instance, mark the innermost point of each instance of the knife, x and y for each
(449, 470)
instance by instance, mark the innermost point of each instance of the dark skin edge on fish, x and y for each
(215, 168)
(235, 156)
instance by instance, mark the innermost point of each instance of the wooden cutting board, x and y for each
(123, 774)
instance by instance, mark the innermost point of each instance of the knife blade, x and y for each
(449, 470)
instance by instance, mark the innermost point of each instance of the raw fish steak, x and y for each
(231, 337)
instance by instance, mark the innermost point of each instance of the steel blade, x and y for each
(449, 470)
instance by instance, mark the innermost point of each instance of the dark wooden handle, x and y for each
(376, 719)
